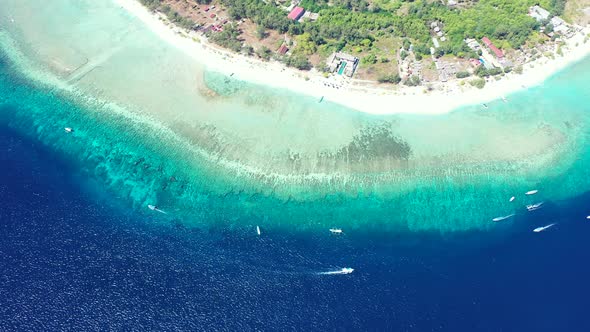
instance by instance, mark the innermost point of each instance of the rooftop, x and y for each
(283, 49)
(296, 13)
(538, 13)
(493, 47)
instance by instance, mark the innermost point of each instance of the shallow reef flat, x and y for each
(156, 127)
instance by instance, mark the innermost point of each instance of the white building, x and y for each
(557, 21)
(473, 44)
(538, 13)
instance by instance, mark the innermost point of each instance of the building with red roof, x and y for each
(499, 54)
(296, 13)
(283, 49)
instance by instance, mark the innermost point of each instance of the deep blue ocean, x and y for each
(71, 258)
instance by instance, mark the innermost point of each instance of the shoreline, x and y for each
(444, 98)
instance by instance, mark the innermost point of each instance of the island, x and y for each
(388, 42)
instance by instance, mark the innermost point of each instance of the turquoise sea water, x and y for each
(153, 126)
(414, 194)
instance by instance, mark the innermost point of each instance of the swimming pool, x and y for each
(341, 70)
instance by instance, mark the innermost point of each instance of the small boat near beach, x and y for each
(540, 229)
(68, 130)
(533, 207)
(258, 230)
(504, 99)
(531, 192)
(321, 99)
(512, 198)
(335, 230)
(484, 106)
(498, 219)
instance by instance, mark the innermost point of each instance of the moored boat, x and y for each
(533, 207)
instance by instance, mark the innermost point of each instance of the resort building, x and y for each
(557, 21)
(538, 13)
(342, 63)
(310, 16)
(473, 44)
(436, 44)
(296, 13)
(499, 54)
(283, 49)
(475, 62)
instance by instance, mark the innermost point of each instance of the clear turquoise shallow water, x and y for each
(260, 154)
(139, 168)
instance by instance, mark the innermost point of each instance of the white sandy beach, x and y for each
(445, 97)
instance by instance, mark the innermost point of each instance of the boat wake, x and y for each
(497, 219)
(345, 270)
(155, 208)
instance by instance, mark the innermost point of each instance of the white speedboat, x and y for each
(540, 229)
(344, 270)
(68, 130)
(258, 230)
(503, 218)
(336, 230)
(512, 198)
(155, 208)
(533, 207)
(588, 217)
(531, 192)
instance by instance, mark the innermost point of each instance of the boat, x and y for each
(540, 229)
(588, 217)
(155, 208)
(258, 230)
(512, 198)
(531, 192)
(321, 99)
(68, 130)
(504, 99)
(533, 207)
(503, 218)
(336, 230)
(344, 270)
(485, 106)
